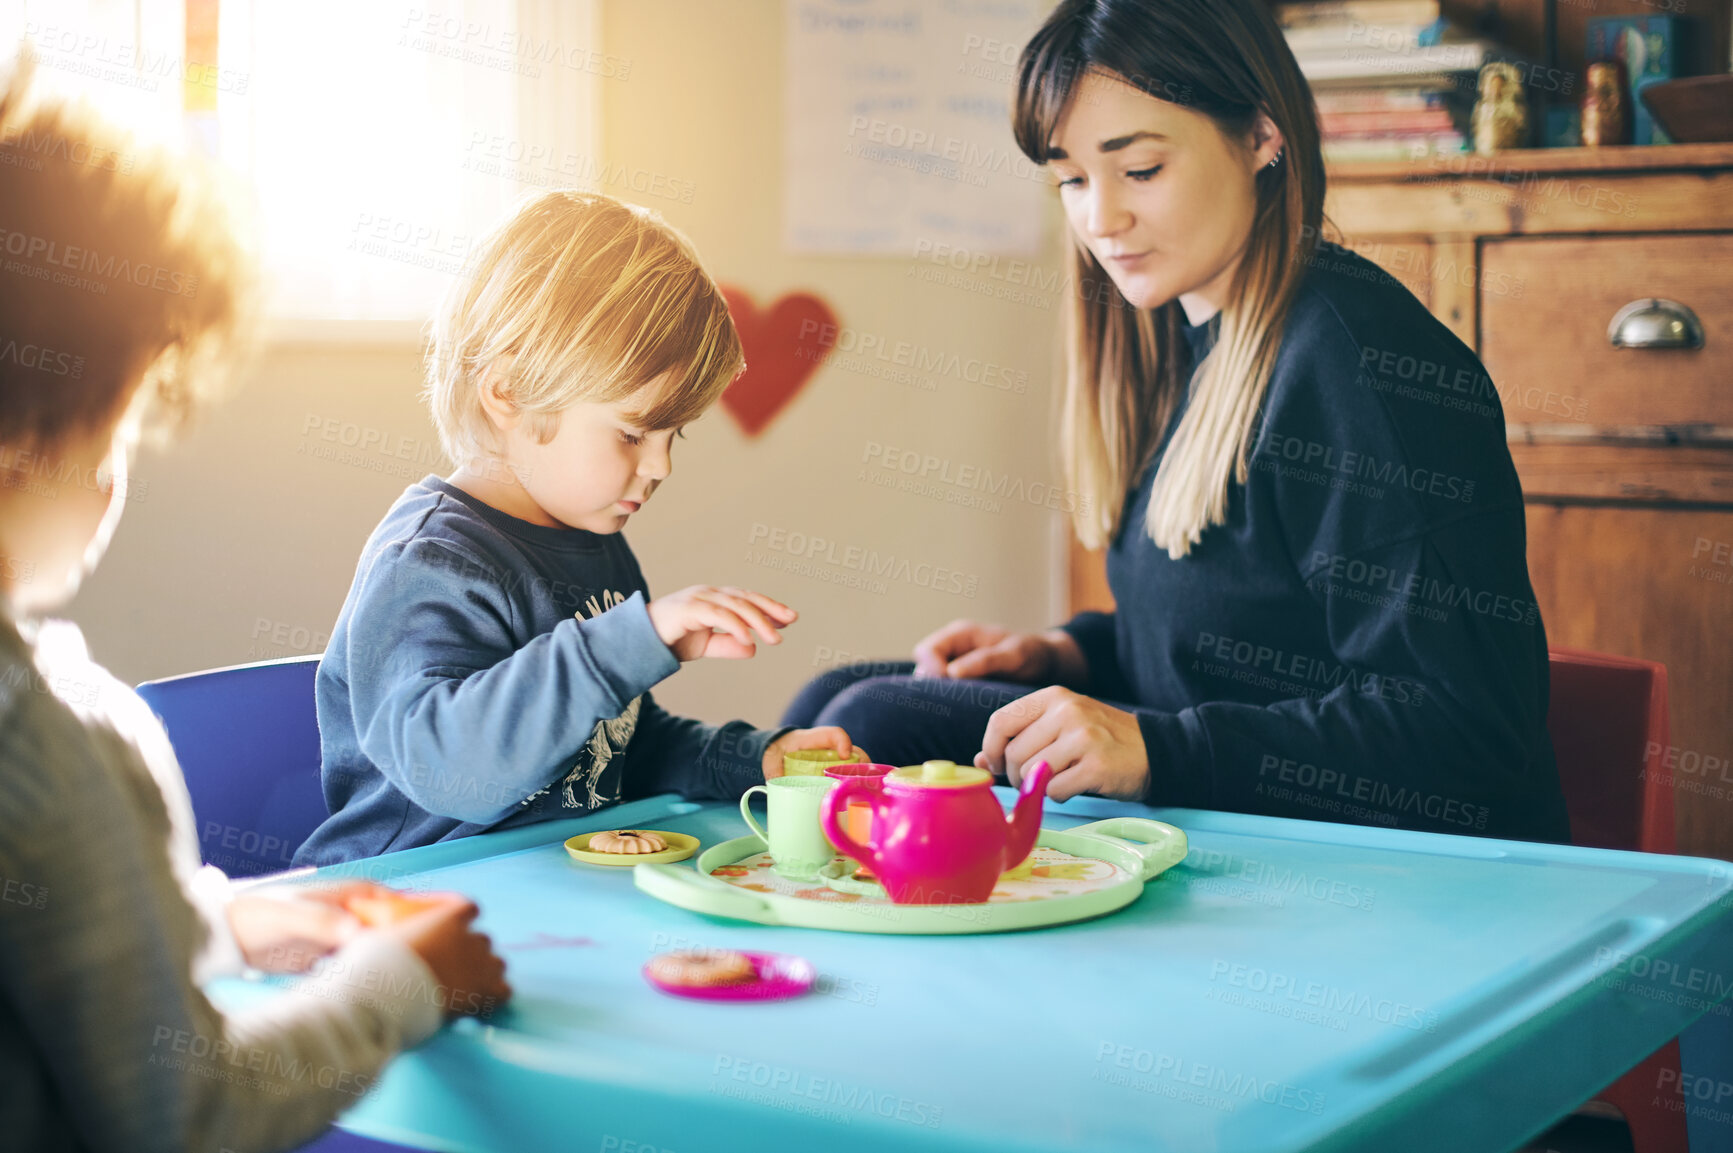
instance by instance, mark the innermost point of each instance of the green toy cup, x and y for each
(798, 846)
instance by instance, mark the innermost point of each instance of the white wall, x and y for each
(704, 103)
(241, 544)
(240, 531)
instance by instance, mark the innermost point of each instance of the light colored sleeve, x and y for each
(118, 717)
(210, 893)
(101, 969)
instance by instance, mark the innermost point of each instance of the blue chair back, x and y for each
(247, 738)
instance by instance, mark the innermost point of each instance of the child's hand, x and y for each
(287, 932)
(828, 737)
(462, 960)
(688, 621)
(384, 906)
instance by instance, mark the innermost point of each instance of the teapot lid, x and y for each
(940, 774)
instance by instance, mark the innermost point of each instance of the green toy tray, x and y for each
(1077, 873)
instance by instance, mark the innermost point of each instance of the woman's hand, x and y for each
(970, 649)
(1093, 748)
(828, 737)
(706, 621)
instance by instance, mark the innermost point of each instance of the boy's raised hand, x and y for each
(828, 737)
(706, 621)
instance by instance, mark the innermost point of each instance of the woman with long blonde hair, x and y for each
(1314, 532)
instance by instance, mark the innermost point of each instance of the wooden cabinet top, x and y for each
(1657, 188)
(1468, 166)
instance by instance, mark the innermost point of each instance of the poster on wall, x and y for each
(897, 128)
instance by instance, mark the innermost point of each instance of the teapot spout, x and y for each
(1025, 820)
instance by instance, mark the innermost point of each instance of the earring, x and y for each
(1276, 161)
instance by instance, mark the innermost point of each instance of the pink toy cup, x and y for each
(858, 818)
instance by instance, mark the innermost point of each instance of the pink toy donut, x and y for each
(702, 968)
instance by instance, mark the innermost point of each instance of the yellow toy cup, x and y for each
(813, 762)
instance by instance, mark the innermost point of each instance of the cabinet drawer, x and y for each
(1651, 474)
(1544, 333)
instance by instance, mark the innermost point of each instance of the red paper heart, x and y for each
(783, 348)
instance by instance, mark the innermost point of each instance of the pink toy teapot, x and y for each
(939, 836)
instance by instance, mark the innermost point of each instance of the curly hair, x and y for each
(121, 275)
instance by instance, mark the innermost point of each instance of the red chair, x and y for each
(1608, 720)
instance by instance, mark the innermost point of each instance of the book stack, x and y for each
(1392, 78)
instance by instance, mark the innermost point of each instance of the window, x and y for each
(376, 142)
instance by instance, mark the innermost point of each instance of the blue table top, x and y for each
(1293, 985)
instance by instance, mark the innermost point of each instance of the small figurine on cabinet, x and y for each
(1606, 107)
(1501, 112)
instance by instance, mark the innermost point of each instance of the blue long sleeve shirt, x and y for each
(1359, 641)
(487, 672)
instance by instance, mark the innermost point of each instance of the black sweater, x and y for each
(1359, 640)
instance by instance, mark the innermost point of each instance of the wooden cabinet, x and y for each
(1654, 580)
(1626, 454)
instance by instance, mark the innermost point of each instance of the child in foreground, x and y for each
(493, 662)
(122, 298)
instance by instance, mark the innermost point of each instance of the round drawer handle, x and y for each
(1655, 323)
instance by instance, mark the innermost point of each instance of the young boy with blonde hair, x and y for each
(121, 296)
(493, 662)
